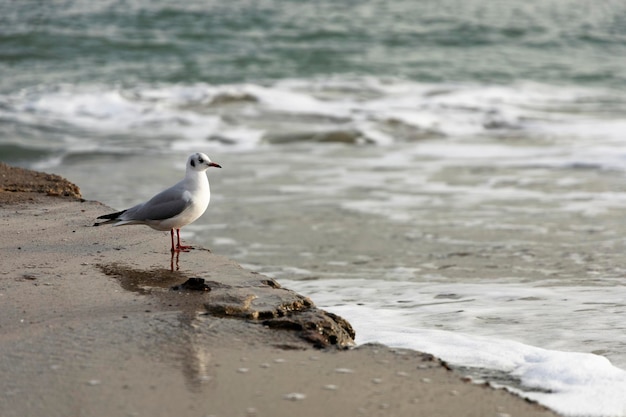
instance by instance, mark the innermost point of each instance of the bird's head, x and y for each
(200, 162)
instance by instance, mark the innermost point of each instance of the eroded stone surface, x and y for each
(18, 184)
(261, 301)
(322, 330)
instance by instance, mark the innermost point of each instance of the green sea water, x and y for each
(580, 42)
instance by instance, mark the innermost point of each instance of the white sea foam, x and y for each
(367, 109)
(462, 324)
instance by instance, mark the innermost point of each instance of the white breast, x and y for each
(199, 193)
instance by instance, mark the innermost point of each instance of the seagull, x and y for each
(175, 207)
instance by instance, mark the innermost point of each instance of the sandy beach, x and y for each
(96, 321)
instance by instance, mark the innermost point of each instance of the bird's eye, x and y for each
(201, 160)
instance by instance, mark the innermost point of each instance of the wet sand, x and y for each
(90, 326)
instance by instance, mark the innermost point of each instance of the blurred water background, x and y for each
(450, 166)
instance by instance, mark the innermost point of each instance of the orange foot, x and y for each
(183, 248)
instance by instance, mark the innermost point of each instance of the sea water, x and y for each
(449, 176)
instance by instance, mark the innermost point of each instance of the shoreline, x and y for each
(91, 326)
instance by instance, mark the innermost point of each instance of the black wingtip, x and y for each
(112, 216)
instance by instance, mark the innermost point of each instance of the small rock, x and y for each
(294, 396)
(192, 284)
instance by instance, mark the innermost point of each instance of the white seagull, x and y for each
(175, 207)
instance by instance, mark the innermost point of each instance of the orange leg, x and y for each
(180, 247)
(172, 236)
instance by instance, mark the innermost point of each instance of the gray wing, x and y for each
(166, 204)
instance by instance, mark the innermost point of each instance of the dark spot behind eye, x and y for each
(193, 163)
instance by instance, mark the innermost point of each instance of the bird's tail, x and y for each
(110, 218)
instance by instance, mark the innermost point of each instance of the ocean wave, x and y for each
(457, 322)
(365, 110)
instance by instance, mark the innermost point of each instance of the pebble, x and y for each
(243, 370)
(94, 382)
(426, 380)
(294, 396)
(331, 387)
(344, 370)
